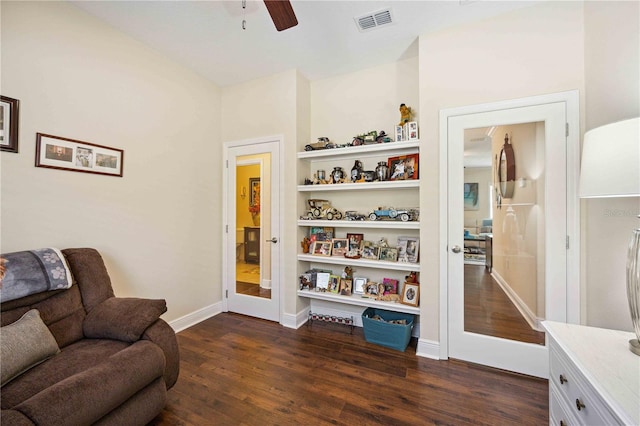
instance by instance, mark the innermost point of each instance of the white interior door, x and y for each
(549, 202)
(252, 228)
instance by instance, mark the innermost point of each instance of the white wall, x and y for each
(529, 52)
(271, 106)
(157, 227)
(612, 67)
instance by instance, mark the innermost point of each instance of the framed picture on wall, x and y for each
(9, 124)
(471, 196)
(55, 152)
(254, 191)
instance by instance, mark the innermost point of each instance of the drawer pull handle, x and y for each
(562, 423)
(563, 379)
(580, 405)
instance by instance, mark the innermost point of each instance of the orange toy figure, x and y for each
(405, 114)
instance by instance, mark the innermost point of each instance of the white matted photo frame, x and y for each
(410, 294)
(55, 152)
(9, 116)
(359, 284)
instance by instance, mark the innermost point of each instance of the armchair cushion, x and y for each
(25, 344)
(123, 319)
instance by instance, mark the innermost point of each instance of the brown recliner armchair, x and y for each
(117, 358)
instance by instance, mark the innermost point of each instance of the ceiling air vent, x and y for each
(374, 20)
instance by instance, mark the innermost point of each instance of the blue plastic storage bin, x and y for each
(394, 336)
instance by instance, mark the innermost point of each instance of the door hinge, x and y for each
(567, 241)
(227, 163)
(226, 229)
(226, 294)
(566, 129)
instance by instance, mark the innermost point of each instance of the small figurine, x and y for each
(405, 114)
(383, 242)
(306, 243)
(411, 278)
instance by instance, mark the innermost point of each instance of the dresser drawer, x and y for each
(576, 392)
(559, 413)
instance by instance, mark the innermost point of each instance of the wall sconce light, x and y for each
(243, 192)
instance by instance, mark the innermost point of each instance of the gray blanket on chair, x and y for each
(28, 272)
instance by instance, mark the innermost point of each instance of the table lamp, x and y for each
(611, 168)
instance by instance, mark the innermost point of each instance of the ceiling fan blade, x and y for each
(281, 13)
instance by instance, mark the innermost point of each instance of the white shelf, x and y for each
(390, 184)
(372, 224)
(362, 149)
(358, 300)
(363, 263)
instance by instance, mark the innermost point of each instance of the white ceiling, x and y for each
(207, 36)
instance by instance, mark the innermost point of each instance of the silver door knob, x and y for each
(273, 240)
(456, 249)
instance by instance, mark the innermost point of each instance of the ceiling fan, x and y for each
(281, 13)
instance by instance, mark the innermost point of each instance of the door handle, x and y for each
(272, 240)
(456, 249)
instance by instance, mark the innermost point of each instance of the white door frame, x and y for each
(571, 99)
(279, 139)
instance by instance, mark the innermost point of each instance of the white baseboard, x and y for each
(428, 349)
(531, 318)
(195, 317)
(295, 321)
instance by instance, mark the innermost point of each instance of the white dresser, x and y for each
(594, 379)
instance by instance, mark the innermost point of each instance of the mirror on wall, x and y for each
(504, 223)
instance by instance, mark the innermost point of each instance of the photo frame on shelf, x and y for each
(339, 246)
(413, 249)
(371, 289)
(390, 286)
(370, 251)
(9, 124)
(358, 285)
(389, 254)
(322, 281)
(410, 294)
(401, 245)
(399, 134)
(346, 287)
(254, 191)
(355, 241)
(321, 248)
(334, 284)
(305, 281)
(321, 233)
(412, 130)
(55, 152)
(403, 167)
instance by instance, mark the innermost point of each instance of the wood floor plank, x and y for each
(237, 370)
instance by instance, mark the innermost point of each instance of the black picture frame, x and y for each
(9, 124)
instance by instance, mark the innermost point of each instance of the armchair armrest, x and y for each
(124, 319)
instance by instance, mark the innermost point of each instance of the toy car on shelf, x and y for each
(322, 209)
(354, 215)
(323, 143)
(370, 138)
(404, 215)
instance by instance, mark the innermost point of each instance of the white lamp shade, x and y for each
(611, 161)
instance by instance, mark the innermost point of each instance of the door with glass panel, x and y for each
(252, 285)
(507, 229)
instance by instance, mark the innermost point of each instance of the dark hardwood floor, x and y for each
(488, 310)
(237, 370)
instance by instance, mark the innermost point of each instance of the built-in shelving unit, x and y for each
(369, 195)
